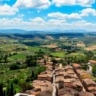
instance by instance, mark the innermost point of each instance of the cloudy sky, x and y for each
(48, 14)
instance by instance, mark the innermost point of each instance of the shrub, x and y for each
(14, 67)
(94, 70)
(25, 86)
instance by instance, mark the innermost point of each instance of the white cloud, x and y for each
(37, 19)
(87, 3)
(64, 2)
(64, 16)
(40, 4)
(83, 13)
(12, 22)
(88, 11)
(55, 22)
(7, 10)
(74, 16)
(57, 15)
(41, 24)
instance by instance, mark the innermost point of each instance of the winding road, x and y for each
(90, 68)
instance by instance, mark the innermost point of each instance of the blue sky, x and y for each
(48, 15)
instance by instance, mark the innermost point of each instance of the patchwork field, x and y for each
(58, 54)
(91, 48)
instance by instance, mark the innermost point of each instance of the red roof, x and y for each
(76, 65)
(92, 61)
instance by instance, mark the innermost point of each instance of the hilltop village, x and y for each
(70, 80)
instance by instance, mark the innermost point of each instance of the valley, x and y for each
(23, 57)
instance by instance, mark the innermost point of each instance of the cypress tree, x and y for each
(1, 90)
(10, 89)
(32, 75)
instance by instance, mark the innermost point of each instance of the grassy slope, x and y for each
(58, 54)
(18, 56)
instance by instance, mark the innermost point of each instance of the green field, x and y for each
(58, 54)
(35, 48)
(18, 56)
